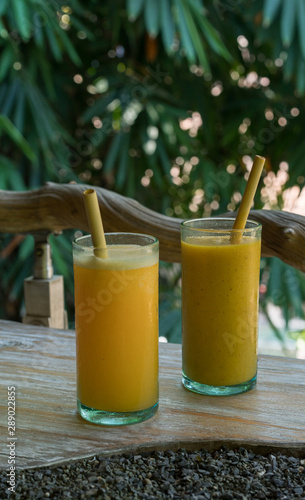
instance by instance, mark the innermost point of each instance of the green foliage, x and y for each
(289, 17)
(165, 101)
(284, 287)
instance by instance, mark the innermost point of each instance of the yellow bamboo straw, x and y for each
(247, 199)
(95, 224)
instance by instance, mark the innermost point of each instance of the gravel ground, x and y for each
(224, 474)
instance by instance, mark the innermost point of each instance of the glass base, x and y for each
(213, 390)
(115, 418)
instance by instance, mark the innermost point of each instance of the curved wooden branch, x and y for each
(56, 207)
(283, 235)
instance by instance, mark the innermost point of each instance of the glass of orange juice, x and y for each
(116, 325)
(220, 292)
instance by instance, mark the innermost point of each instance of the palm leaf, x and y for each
(3, 6)
(19, 114)
(167, 25)
(271, 7)
(289, 64)
(131, 180)
(275, 285)
(6, 166)
(151, 16)
(134, 8)
(26, 248)
(7, 126)
(301, 31)
(197, 4)
(122, 170)
(98, 107)
(296, 160)
(6, 61)
(185, 36)
(11, 94)
(25, 269)
(301, 76)
(69, 48)
(39, 114)
(154, 166)
(113, 152)
(3, 90)
(10, 177)
(15, 180)
(22, 18)
(46, 122)
(59, 261)
(213, 38)
(2, 175)
(288, 20)
(198, 44)
(54, 45)
(165, 161)
(46, 73)
(168, 321)
(38, 35)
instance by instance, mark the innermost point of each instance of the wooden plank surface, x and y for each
(40, 363)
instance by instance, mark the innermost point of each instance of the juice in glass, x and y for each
(116, 324)
(220, 284)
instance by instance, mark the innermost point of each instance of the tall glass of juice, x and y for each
(220, 291)
(116, 324)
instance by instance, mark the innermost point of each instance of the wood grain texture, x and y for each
(40, 363)
(56, 207)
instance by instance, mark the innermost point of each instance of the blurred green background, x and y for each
(165, 101)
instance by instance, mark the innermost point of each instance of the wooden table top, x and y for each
(40, 363)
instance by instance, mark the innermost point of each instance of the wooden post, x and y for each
(44, 292)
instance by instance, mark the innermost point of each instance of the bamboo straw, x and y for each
(247, 199)
(95, 224)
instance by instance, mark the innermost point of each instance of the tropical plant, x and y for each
(166, 101)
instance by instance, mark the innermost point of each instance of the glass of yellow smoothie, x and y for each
(116, 324)
(220, 291)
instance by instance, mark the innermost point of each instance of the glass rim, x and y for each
(184, 224)
(78, 241)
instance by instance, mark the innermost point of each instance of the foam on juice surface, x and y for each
(120, 257)
(223, 240)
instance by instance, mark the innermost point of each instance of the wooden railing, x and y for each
(56, 207)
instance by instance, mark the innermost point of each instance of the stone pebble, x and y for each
(191, 475)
